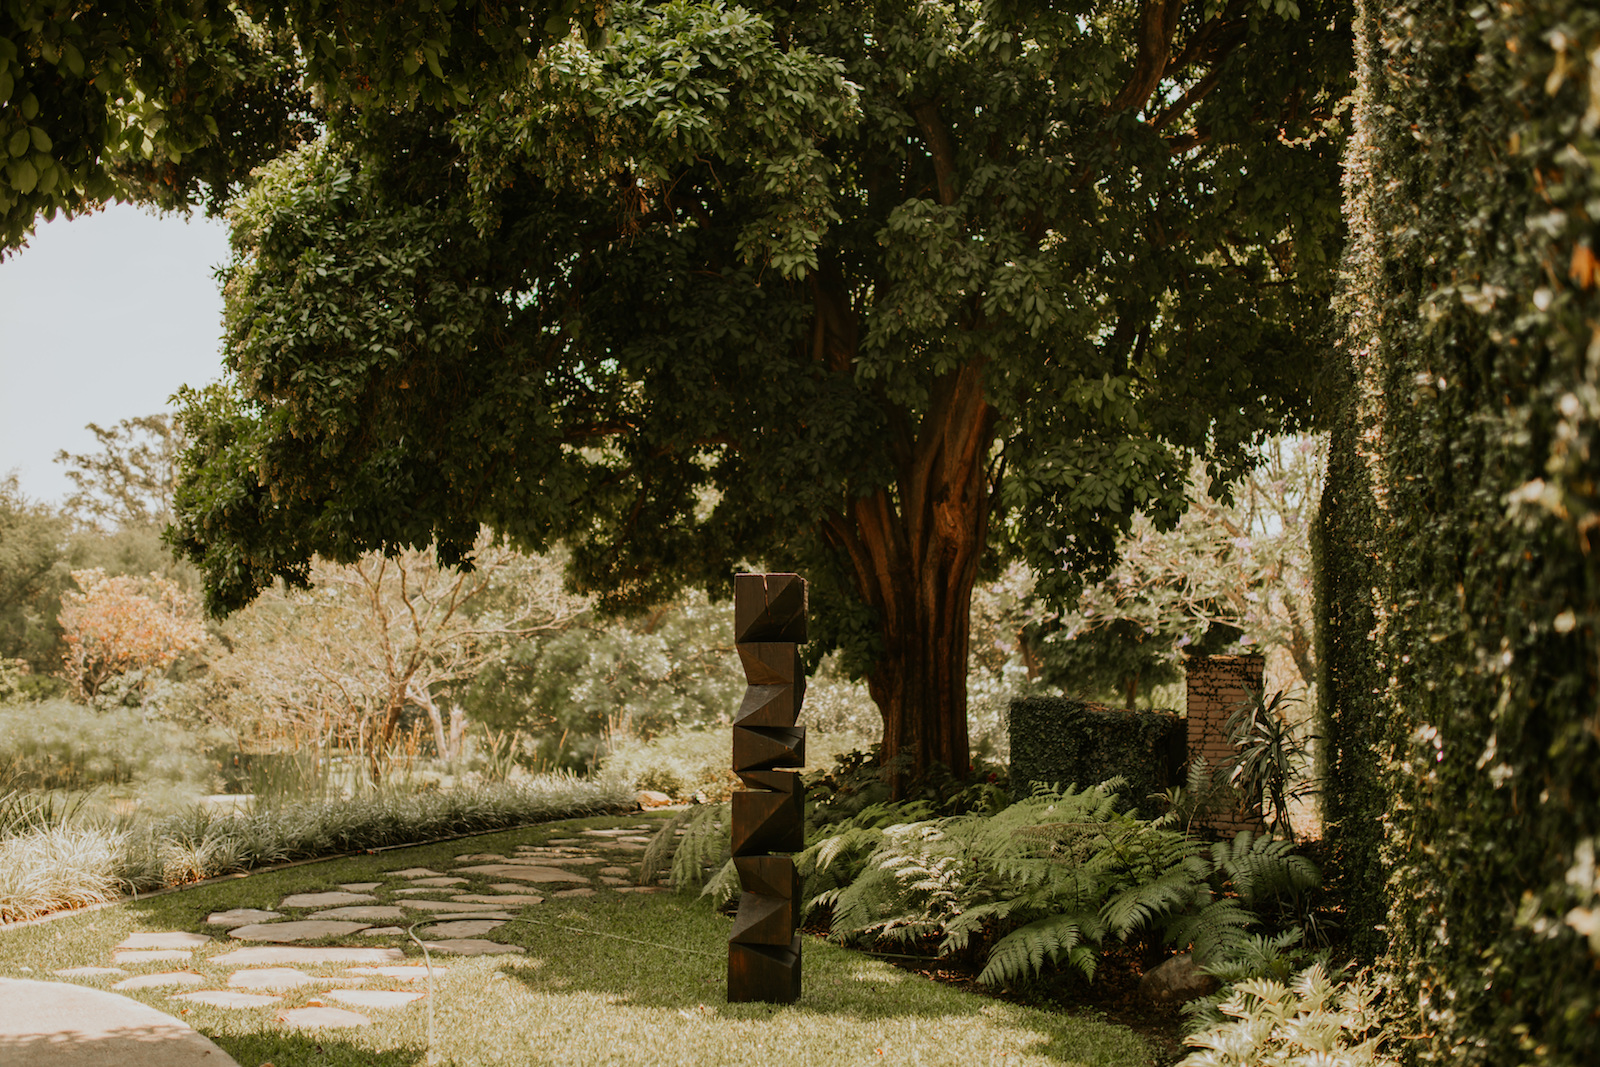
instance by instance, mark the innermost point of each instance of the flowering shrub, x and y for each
(122, 624)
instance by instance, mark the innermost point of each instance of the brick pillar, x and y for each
(1215, 687)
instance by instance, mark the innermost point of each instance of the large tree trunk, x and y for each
(913, 550)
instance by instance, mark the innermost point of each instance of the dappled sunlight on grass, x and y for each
(635, 979)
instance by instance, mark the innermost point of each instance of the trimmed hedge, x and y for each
(1464, 495)
(1068, 742)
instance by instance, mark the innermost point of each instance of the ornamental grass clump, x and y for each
(49, 868)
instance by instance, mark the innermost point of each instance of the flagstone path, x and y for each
(460, 906)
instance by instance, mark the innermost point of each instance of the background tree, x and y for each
(376, 641)
(129, 480)
(33, 574)
(117, 625)
(1230, 575)
(903, 290)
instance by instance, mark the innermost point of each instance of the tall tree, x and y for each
(884, 292)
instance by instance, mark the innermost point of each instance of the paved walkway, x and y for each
(58, 1024)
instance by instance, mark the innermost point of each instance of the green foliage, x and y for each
(56, 744)
(175, 101)
(1064, 741)
(1044, 882)
(787, 281)
(681, 764)
(1469, 422)
(33, 574)
(1313, 1019)
(1268, 770)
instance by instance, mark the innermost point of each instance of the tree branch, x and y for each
(940, 147)
(1157, 21)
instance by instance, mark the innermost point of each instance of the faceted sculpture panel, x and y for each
(760, 748)
(768, 822)
(769, 607)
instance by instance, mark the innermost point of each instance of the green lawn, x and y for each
(617, 979)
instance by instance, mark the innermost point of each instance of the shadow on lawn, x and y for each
(319, 1047)
(682, 969)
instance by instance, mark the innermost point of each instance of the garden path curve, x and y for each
(305, 986)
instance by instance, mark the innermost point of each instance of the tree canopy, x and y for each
(884, 293)
(173, 101)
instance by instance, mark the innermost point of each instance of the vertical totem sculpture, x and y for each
(769, 625)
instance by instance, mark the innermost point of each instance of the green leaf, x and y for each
(23, 176)
(41, 140)
(7, 84)
(74, 59)
(30, 107)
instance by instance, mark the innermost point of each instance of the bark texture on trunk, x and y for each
(913, 550)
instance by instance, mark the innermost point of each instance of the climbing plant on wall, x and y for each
(1463, 510)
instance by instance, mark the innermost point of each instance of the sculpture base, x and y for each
(766, 973)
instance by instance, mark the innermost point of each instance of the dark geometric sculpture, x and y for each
(769, 622)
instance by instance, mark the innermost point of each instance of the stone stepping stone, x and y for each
(554, 861)
(412, 892)
(172, 940)
(227, 998)
(633, 840)
(277, 979)
(241, 917)
(88, 972)
(415, 872)
(563, 841)
(372, 998)
(574, 893)
(383, 931)
(440, 881)
(410, 973)
(469, 928)
(318, 1018)
(620, 872)
(313, 957)
(470, 946)
(448, 905)
(165, 980)
(326, 900)
(526, 874)
(621, 831)
(638, 889)
(499, 898)
(370, 912)
(359, 887)
(611, 880)
(304, 930)
(481, 857)
(148, 956)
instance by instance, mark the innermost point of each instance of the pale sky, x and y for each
(101, 319)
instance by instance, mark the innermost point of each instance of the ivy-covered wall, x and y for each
(1464, 504)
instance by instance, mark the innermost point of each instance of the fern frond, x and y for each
(704, 846)
(722, 886)
(1023, 953)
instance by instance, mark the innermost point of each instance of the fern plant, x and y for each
(1044, 882)
(1311, 1020)
(693, 845)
